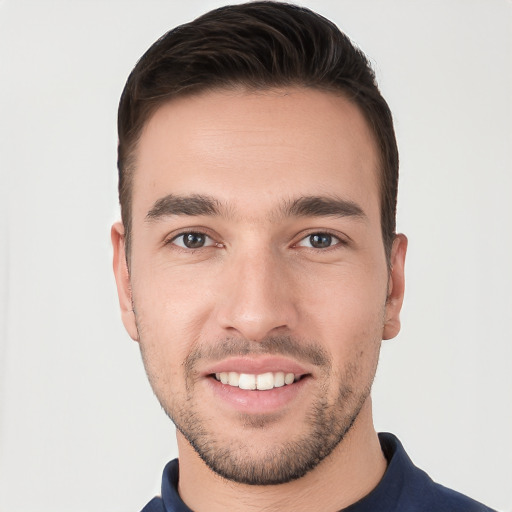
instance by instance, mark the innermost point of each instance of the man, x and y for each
(258, 267)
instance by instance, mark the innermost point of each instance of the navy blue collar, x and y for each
(403, 488)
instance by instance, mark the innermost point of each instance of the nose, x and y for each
(258, 299)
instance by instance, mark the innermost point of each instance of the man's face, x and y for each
(257, 261)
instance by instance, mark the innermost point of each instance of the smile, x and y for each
(262, 381)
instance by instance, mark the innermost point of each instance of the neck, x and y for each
(348, 474)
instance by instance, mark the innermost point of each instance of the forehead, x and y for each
(251, 149)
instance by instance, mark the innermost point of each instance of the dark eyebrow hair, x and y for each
(193, 205)
(306, 206)
(323, 206)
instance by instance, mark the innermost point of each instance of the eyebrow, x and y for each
(323, 206)
(196, 205)
(192, 205)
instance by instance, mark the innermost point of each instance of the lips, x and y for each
(262, 381)
(256, 385)
(251, 374)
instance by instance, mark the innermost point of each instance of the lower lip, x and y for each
(255, 401)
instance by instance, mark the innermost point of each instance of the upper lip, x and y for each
(257, 365)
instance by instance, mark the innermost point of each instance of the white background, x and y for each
(79, 427)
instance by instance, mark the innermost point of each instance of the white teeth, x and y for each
(289, 378)
(279, 380)
(247, 381)
(263, 381)
(234, 379)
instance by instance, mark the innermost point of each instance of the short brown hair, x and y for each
(257, 45)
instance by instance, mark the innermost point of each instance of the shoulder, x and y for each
(415, 490)
(155, 505)
(453, 501)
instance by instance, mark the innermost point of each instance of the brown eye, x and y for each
(192, 240)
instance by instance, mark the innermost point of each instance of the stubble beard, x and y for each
(325, 426)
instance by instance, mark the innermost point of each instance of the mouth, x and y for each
(261, 381)
(256, 385)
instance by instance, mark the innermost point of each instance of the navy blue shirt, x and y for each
(403, 488)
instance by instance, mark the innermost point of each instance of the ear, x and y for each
(396, 287)
(122, 275)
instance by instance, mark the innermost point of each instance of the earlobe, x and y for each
(122, 276)
(396, 288)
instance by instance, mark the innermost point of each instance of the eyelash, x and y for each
(336, 238)
(198, 232)
(339, 241)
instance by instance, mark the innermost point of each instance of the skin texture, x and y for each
(257, 293)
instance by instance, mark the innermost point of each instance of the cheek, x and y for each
(350, 298)
(172, 299)
(348, 315)
(171, 310)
